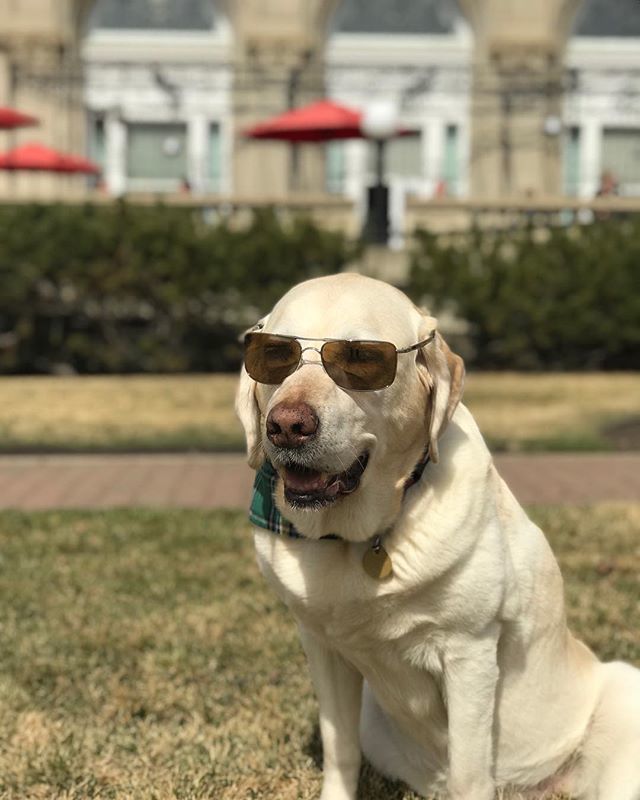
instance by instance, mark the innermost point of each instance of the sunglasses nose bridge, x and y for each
(303, 360)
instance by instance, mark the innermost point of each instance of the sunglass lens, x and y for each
(269, 358)
(360, 366)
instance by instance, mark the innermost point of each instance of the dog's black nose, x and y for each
(291, 425)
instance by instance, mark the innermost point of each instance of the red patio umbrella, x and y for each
(10, 118)
(39, 157)
(320, 121)
(324, 121)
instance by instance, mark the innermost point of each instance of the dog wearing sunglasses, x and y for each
(429, 606)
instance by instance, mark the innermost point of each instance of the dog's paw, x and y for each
(335, 787)
(474, 790)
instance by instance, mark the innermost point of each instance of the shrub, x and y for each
(563, 298)
(125, 288)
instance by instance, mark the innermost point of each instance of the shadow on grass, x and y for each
(372, 785)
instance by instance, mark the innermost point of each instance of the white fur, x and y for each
(472, 682)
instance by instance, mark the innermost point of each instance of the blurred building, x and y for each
(162, 88)
(158, 95)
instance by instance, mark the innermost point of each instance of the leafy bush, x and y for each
(126, 288)
(563, 298)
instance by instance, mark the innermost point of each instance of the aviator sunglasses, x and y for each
(352, 364)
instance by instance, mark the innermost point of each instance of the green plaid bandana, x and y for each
(263, 511)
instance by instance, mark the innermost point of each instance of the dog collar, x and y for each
(264, 514)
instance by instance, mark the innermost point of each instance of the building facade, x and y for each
(164, 98)
(158, 97)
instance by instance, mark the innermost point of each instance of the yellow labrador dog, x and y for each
(429, 606)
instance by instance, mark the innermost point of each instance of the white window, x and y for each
(156, 156)
(621, 158)
(571, 161)
(96, 138)
(451, 162)
(335, 166)
(403, 158)
(214, 161)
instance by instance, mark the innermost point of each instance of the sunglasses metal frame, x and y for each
(301, 361)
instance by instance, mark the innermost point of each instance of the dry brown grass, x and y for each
(144, 658)
(154, 412)
(552, 410)
(182, 412)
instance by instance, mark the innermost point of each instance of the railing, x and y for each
(329, 211)
(442, 215)
(449, 215)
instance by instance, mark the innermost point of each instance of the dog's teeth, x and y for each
(305, 486)
(333, 488)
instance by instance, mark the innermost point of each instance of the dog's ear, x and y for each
(249, 415)
(248, 412)
(442, 373)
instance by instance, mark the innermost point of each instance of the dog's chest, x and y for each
(327, 589)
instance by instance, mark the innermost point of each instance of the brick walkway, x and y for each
(217, 481)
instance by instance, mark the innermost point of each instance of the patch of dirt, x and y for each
(624, 435)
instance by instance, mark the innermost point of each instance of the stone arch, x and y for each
(607, 18)
(400, 17)
(195, 15)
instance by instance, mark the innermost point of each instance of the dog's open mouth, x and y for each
(310, 488)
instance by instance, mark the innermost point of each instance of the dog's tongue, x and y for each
(309, 481)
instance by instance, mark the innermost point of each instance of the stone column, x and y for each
(278, 55)
(39, 42)
(518, 76)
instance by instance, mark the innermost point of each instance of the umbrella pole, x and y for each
(294, 167)
(380, 148)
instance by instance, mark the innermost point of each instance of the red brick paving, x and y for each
(572, 478)
(219, 481)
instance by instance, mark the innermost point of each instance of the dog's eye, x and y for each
(278, 353)
(362, 355)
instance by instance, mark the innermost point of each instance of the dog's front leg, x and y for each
(338, 688)
(471, 675)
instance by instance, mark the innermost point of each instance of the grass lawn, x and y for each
(195, 412)
(143, 656)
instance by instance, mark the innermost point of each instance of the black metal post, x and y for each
(376, 228)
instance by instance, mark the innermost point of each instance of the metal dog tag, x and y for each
(376, 562)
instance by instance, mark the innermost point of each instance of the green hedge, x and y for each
(126, 288)
(559, 298)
